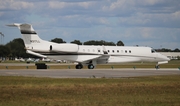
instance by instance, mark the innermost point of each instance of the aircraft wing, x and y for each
(85, 58)
(102, 59)
(98, 58)
(122, 59)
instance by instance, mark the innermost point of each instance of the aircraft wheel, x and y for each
(79, 66)
(90, 66)
(157, 67)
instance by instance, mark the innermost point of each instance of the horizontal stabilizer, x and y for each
(14, 25)
(36, 54)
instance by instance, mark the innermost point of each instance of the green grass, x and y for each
(138, 91)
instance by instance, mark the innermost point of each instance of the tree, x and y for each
(58, 40)
(4, 51)
(16, 48)
(110, 44)
(120, 43)
(102, 42)
(164, 50)
(176, 50)
(77, 42)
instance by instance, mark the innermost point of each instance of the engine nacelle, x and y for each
(64, 47)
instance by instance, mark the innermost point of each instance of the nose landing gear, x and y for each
(157, 66)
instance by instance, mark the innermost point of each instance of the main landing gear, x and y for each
(80, 66)
(90, 66)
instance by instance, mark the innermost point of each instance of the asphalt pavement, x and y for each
(88, 73)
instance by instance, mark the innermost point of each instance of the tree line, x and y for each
(15, 48)
(91, 42)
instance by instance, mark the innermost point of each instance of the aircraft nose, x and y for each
(166, 58)
(163, 57)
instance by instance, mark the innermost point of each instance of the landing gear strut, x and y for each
(157, 66)
(79, 66)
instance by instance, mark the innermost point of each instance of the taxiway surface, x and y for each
(86, 73)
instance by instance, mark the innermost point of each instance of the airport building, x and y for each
(171, 55)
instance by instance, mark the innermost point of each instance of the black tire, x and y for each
(90, 66)
(79, 66)
(157, 67)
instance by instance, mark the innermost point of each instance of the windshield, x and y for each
(153, 51)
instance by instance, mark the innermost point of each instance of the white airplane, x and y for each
(86, 55)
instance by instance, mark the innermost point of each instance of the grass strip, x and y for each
(137, 91)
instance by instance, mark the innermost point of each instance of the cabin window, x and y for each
(121, 51)
(108, 51)
(113, 51)
(129, 51)
(125, 51)
(99, 51)
(118, 51)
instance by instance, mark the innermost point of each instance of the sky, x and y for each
(153, 23)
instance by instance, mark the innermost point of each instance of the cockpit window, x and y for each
(153, 51)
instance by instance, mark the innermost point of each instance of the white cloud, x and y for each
(104, 21)
(133, 21)
(60, 5)
(176, 15)
(15, 5)
(146, 32)
(85, 4)
(57, 4)
(149, 2)
(119, 4)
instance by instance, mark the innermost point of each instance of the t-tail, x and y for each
(36, 46)
(31, 39)
(29, 35)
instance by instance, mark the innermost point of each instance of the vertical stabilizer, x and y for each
(29, 35)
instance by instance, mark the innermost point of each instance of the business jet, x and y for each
(86, 55)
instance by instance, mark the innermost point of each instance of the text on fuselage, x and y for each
(34, 41)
